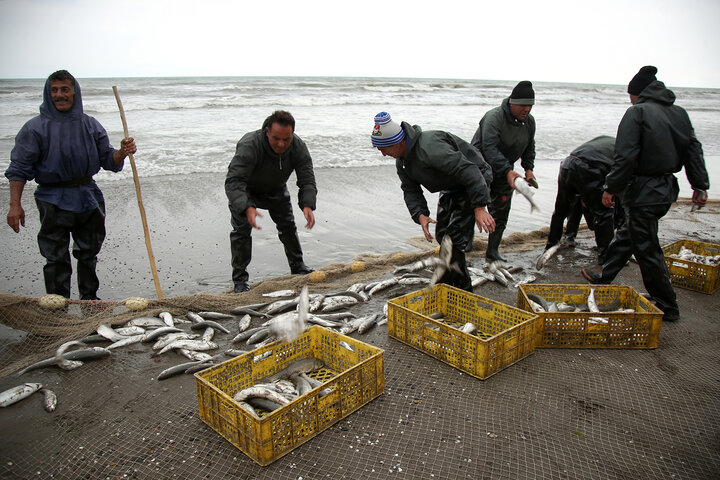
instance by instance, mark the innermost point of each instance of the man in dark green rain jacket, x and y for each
(440, 162)
(505, 134)
(655, 139)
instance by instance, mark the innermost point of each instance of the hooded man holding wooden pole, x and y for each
(61, 149)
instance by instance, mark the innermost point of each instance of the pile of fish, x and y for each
(689, 256)
(540, 305)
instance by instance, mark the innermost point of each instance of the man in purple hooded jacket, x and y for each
(61, 149)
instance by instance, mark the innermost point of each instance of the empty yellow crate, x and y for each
(508, 333)
(693, 275)
(360, 378)
(633, 330)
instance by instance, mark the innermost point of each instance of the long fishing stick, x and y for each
(139, 199)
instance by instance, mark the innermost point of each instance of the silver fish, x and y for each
(281, 306)
(64, 363)
(279, 293)
(330, 304)
(262, 392)
(469, 327)
(499, 277)
(383, 285)
(547, 255)
(367, 323)
(198, 345)
(249, 408)
(208, 334)
(289, 326)
(263, 403)
(150, 336)
(215, 315)
(305, 365)
(131, 330)
(244, 335)
(315, 383)
(176, 369)
(523, 188)
(322, 322)
(250, 310)
(209, 323)
(171, 337)
(145, 322)
(301, 385)
(83, 354)
(232, 352)
(49, 400)
(108, 332)
(539, 300)
(193, 355)
(316, 301)
(126, 341)
(194, 317)
(244, 322)
(167, 318)
(261, 334)
(15, 394)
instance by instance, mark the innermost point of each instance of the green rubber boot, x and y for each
(492, 247)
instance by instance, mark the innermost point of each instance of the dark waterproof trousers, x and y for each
(500, 204)
(639, 236)
(456, 217)
(279, 207)
(588, 184)
(88, 233)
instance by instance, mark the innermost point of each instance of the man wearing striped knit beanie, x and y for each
(440, 162)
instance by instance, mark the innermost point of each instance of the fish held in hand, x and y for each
(523, 188)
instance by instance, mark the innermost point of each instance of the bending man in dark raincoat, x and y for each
(440, 161)
(61, 149)
(582, 174)
(505, 134)
(257, 178)
(655, 139)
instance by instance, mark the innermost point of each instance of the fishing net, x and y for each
(556, 414)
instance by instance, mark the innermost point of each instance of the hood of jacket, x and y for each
(48, 110)
(657, 91)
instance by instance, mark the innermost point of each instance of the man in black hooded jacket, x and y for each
(257, 178)
(655, 139)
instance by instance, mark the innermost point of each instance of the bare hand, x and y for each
(511, 176)
(251, 213)
(424, 222)
(484, 220)
(608, 199)
(15, 218)
(127, 146)
(309, 217)
(530, 178)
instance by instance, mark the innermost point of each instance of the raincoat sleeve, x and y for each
(104, 149)
(694, 162)
(413, 195)
(239, 171)
(24, 155)
(307, 189)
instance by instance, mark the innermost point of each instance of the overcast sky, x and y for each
(604, 41)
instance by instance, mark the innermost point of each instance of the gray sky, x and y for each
(554, 40)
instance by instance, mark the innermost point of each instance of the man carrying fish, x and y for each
(505, 134)
(440, 161)
(257, 179)
(655, 139)
(61, 149)
(583, 173)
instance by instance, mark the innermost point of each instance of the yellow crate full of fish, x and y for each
(504, 334)
(626, 319)
(693, 265)
(351, 373)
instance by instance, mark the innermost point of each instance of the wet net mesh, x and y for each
(559, 413)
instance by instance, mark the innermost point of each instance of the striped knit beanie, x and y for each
(386, 131)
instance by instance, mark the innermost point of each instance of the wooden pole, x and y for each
(139, 199)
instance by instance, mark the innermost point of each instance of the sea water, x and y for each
(188, 125)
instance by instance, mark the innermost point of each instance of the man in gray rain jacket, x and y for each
(440, 162)
(505, 134)
(655, 139)
(257, 178)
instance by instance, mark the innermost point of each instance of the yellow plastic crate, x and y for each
(360, 378)
(508, 333)
(632, 330)
(693, 275)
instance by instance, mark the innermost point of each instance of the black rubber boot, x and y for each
(492, 247)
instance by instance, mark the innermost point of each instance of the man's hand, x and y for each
(484, 220)
(309, 217)
(530, 178)
(251, 213)
(424, 222)
(16, 217)
(699, 198)
(127, 147)
(608, 199)
(511, 176)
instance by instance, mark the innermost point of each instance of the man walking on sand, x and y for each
(61, 149)
(257, 179)
(505, 134)
(439, 161)
(655, 139)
